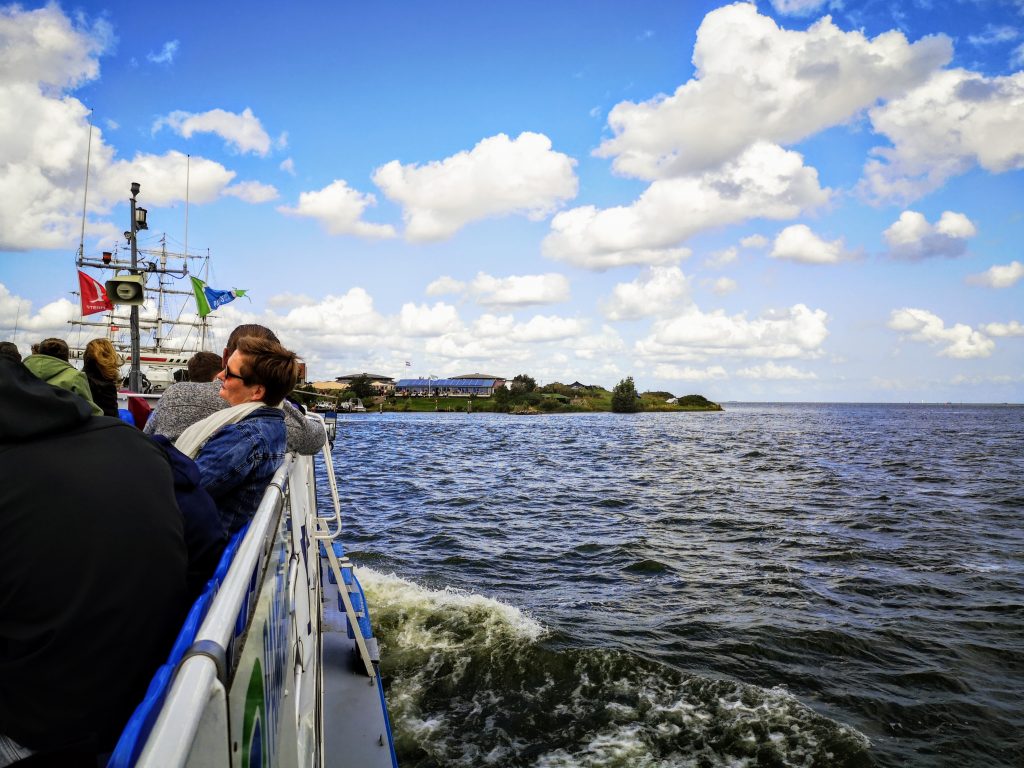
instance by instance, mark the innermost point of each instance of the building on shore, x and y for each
(477, 384)
(382, 385)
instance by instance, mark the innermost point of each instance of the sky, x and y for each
(795, 200)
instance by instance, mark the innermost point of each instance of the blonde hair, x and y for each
(103, 356)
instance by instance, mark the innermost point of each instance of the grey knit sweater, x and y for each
(185, 403)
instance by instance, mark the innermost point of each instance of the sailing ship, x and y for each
(173, 329)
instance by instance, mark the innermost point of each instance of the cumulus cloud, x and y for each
(687, 373)
(243, 132)
(339, 209)
(912, 238)
(50, 320)
(43, 57)
(288, 166)
(959, 341)
(498, 176)
(519, 290)
(423, 320)
(953, 122)
(548, 328)
(693, 334)
(252, 191)
(755, 81)
(656, 291)
(799, 243)
(445, 285)
(765, 181)
(166, 54)
(290, 300)
(1012, 328)
(754, 241)
(999, 276)
(774, 372)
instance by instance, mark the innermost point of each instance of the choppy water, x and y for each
(806, 585)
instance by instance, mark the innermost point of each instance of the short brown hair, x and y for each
(269, 364)
(203, 366)
(54, 348)
(252, 330)
(9, 350)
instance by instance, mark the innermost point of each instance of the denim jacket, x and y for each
(238, 462)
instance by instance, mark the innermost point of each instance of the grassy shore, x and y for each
(590, 401)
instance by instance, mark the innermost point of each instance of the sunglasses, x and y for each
(229, 375)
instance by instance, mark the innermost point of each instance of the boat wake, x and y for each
(473, 681)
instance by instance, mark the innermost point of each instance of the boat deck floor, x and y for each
(354, 730)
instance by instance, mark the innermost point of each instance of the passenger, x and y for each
(102, 367)
(182, 405)
(204, 367)
(51, 365)
(9, 350)
(238, 449)
(92, 572)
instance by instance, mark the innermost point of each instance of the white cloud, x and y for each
(166, 54)
(1012, 328)
(244, 132)
(960, 341)
(423, 320)
(693, 334)
(774, 372)
(957, 120)
(999, 276)
(723, 285)
(799, 243)
(721, 259)
(290, 300)
(994, 35)
(798, 7)
(43, 47)
(755, 241)
(912, 238)
(51, 319)
(656, 291)
(353, 313)
(288, 166)
(1017, 57)
(498, 176)
(686, 373)
(547, 328)
(339, 209)
(519, 290)
(765, 181)
(755, 81)
(445, 285)
(252, 191)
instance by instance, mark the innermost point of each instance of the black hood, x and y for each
(30, 408)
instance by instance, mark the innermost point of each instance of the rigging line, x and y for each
(85, 195)
(188, 171)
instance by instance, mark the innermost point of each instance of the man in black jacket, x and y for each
(92, 571)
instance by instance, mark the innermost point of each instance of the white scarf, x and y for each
(192, 440)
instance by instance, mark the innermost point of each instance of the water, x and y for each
(807, 585)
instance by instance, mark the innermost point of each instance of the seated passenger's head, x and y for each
(258, 370)
(249, 329)
(101, 355)
(9, 350)
(54, 348)
(204, 366)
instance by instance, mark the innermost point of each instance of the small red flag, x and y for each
(94, 296)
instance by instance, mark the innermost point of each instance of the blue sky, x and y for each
(788, 200)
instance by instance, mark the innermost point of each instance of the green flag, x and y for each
(208, 299)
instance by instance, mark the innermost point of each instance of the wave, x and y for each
(474, 681)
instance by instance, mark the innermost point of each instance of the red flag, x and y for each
(94, 296)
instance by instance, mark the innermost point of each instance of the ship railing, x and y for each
(246, 684)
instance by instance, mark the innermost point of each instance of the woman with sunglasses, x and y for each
(238, 449)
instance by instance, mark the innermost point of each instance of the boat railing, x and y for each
(211, 708)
